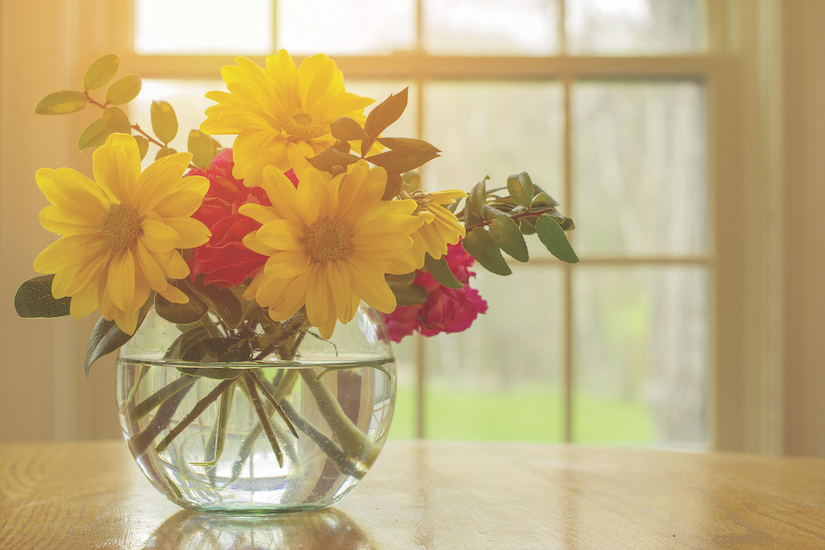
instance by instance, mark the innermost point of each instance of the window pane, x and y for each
(353, 28)
(632, 27)
(203, 27)
(405, 415)
(187, 98)
(639, 168)
(495, 129)
(641, 355)
(490, 27)
(501, 378)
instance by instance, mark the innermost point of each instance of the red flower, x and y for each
(224, 260)
(446, 309)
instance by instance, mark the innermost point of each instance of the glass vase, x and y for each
(270, 417)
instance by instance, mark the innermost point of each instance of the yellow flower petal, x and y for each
(120, 282)
(159, 237)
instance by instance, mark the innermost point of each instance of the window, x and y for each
(606, 104)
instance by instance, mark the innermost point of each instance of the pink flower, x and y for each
(446, 309)
(224, 260)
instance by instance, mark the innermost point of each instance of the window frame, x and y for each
(745, 352)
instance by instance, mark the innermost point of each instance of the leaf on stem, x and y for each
(34, 299)
(123, 90)
(400, 162)
(384, 114)
(116, 120)
(507, 236)
(552, 236)
(61, 103)
(181, 314)
(106, 337)
(221, 300)
(94, 135)
(202, 147)
(143, 146)
(408, 294)
(440, 271)
(329, 158)
(347, 129)
(100, 72)
(164, 121)
(164, 152)
(480, 245)
(475, 203)
(520, 187)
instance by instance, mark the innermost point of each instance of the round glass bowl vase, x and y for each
(271, 417)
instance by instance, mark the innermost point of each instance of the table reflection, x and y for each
(328, 529)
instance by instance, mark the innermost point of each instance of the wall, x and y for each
(803, 192)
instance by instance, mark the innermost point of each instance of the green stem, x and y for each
(196, 411)
(262, 416)
(141, 441)
(150, 403)
(353, 440)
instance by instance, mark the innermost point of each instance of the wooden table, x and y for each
(434, 495)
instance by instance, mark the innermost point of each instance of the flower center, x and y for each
(121, 226)
(300, 125)
(327, 241)
(422, 200)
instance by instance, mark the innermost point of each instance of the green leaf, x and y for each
(475, 203)
(400, 162)
(527, 225)
(552, 235)
(202, 148)
(34, 299)
(406, 278)
(479, 244)
(94, 135)
(567, 224)
(346, 129)
(106, 337)
(61, 103)
(408, 295)
(101, 72)
(329, 158)
(221, 300)
(123, 90)
(164, 152)
(520, 187)
(164, 121)
(384, 114)
(507, 236)
(116, 120)
(181, 314)
(440, 271)
(395, 184)
(143, 146)
(409, 146)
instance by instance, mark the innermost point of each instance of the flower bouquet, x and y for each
(253, 290)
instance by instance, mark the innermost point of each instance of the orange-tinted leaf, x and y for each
(385, 114)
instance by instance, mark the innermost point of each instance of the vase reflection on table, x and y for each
(329, 529)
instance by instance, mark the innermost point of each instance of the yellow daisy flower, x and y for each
(330, 242)
(119, 233)
(281, 114)
(443, 228)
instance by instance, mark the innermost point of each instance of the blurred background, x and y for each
(684, 137)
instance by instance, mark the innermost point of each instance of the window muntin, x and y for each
(558, 153)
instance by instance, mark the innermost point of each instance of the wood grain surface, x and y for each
(435, 496)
